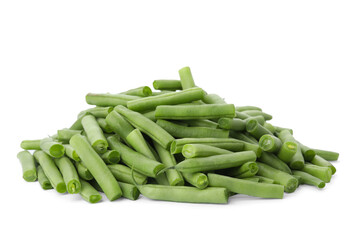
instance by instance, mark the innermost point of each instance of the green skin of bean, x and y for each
(265, 180)
(130, 191)
(98, 112)
(327, 155)
(172, 98)
(202, 150)
(180, 131)
(273, 161)
(186, 78)
(216, 162)
(69, 173)
(111, 157)
(139, 162)
(150, 115)
(201, 123)
(54, 149)
(213, 99)
(137, 142)
(232, 124)
(94, 134)
(198, 180)
(89, 193)
(96, 166)
(323, 173)
(252, 147)
(146, 126)
(241, 136)
(279, 129)
(307, 152)
(260, 119)
(28, 166)
(123, 174)
(171, 85)
(288, 181)
(230, 144)
(270, 143)
(262, 190)
(252, 179)
(287, 151)
(77, 124)
(161, 92)
(51, 171)
(104, 126)
(308, 179)
(245, 108)
(270, 127)
(297, 161)
(255, 129)
(83, 172)
(30, 145)
(119, 125)
(43, 180)
(246, 167)
(106, 99)
(144, 91)
(254, 113)
(64, 135)
(319, 161)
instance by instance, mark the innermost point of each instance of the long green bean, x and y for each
(43, 179)
(28, 166)
(171, 85)
(319, 161)
(323, 173)
(83, 172)
(52, 148)
(94, 134)
(69, 174)
(107, 99)
(30, 145)
(308, 179)
(230, 144)
(327, 155)
(186, 78)
(202, 150)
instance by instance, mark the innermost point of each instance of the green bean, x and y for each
(198, 180)
(119, 125)
(308, 179)
(201, 123)
(42, 178)
(297, 161)
(186, 78)
(150, 103)
(94, 134)
(262, 190)
(202, 150)
(171, 85)
(77, 124)
(252, 179)
(323, 173)
(137, 141)
(232, 124)
(254, 113)
(111, 157)
(130, 191)
(96, 166)
(123, 174)
(173, 176)
(107, 99)
(146, 126)
(52, 148)
(265, 180)
(243, 137)
(250, 168)
(255, 129)
(150, 115)
(288, 181)
(98, 112)
(251, 147)
(51, 171)
(30, 145)
(179, 131)
(216, 162)
(139, 162)
(289, 147)
(104, 125)
(65, 134)
(28, 166)
(83, 172)
(161, 92)
(271, 160)
(89, 193)
(279, 129)
(270, 143)
(213, 99)
(242, 115)
(230, 144)
(319, 161)
(327, 155)
(307, 152)
(245, 108)
(144, 91)
(69, 174)
(269, 127)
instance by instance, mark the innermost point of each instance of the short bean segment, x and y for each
(138, 142)
(201, 123)
(89, 193)
(83, 172)
(308, 179)
(143, 91)
(319, 161)
(107, 99)
(71, 153)
(327, 155)
(123, 174)
(245, 108)
(43, 179)
(94, 134)
(297, 161)
(119, 125)
(232, 124)
(198, 180)
(248, 169)
(98, 112)
(270, 143)
(289, 147)
(273, 161)
(255, 129)
(307, 152)
(230, 144)
(69, 174)
(186, 78)
(202, 150)
(104, 125)
(130, 191)
(111, 157)
(28, 166)
(258, 113)
(65, 134)
(213, 99)
(171, 85)
(54, 149)
(323, 173)
(30, 145)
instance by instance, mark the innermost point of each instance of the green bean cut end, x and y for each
(73, 187)
(100, 146)
(30, 176)
(61, 188)
(266, 143)
(95, 198)
(57, 150)
(202, 182)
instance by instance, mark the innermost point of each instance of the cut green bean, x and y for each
(43, 180)
(270, 143)
(232, 124)
(51, 171)
(150, 115)
(104, 125)
(111, 157)
(186, 78)
(245, 108)
(171, 85)
(107, 99)
(308, 179)
(89, 193)
(137, 141)
(243, 137)
(269, 127)
(213, 99)
(130, 191)
(52, 148)
(119, 125)
(279, 129)
(252, 147)
(69, 174)
(98, 112)
(201, 123)
(323, 173)
(198, 180)
(161, 92)
(144, 91)
(252, 179)
(230, 144)
(271, 160)
(319, 161)
(254, 113)
(123, 174)
(265, 180)
(65, 134)
(255, 129)
(297, 161)
(289, 147)
(28, 166)
(83, 172)
(96, 166)
(262, 190)
(77, 124)
(202, 150)
(250, 168)
(327, 155)
(150, 103)
(30, 145)
(307, 152)
(94, 134)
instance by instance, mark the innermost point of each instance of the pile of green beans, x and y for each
(176, 143)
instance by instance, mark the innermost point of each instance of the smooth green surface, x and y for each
(69, 173)
(98, 112)
(297, 161)
(270, 143)
(89, 193)
(94, 134)
(247, 169)
(119, 124)
(230, 144)
(202, 150)
(255, 129)
(308, 179)
(186, 78)
(54, 149)
(307, 152)
(254, 113)
(213, 99)
(83, 172)
(30, 145)
(139, 144)
(232, 124)
(123, 174)
(107, 99)
(43, 179)
(143, 91)
(327, 155)
(104, 125)
(198, 180)
(130, 191)
(323, 173)
(265, 179)
(28, 166)
(64, 135)
(171, 85)
(287, 151)
(201, 123)
(273, 161)
(319, 161)
(71, 153)
(245, 108)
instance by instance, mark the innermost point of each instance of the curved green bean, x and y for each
(94, 134)
(28, 166)
(69, 174)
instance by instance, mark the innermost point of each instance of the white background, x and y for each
(298, 60)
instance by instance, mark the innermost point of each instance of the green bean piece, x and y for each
(245, 108)
(297, 161)
(65, 134)
(213, 99)
(250, 166)
(83, 172)
(107, 99)
(216, 162)
(143, 91)
(273, 161)
(161, 92)
(265, 180)
(96, 166)
(201, 123)
(252, 179)
(172, 98)
(327, 155)
(319, 161)
(242, 115)
(270, 143)
(98, 112)
(138, 161)
(255, 129)
(262, 190)
(52, 148)
(186, 78)
(230, 144)
(307, 152)
(198, 180)
(232, 124)
(279, 129)
(202, 150)
(287, 151)
(288, 181)
(308, 179)
(173, 176)
(252, 147)
(259, 119)
(137, 142)
(77, 124)
(89, 193)
(171, 85)
(30, 145)
(111, 157)
(150, 115)
(130, 191)
(123, 174)
(51, 171)
(119, 125)
(269, 127)
(42, 178)
(28, 166)
(243, 137)
(104, 125)
(69, 173)
(94, 134)
(180, 131)
(323, 173)
(146, 126)
(254, 113)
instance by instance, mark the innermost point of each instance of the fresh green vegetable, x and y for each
(94, 134)
(323, 173)
(30, 145)
(327, 155)
(98, 112)
(119, 125)
(186, 78)
(140, 91)
(255, 129)
(245, 108)
(42, 178)
(123, 174)
(198, 180)
(111, 157)
(52, 148)
(65, 134)
(270, 143)
(28, 166)
(224, 143)
(89, 193)
(319, 161)
(107, 99)
(70, 152)
(306, 178)
(273, 161)
(104, 125)
(232, 124)
(171, 85)
(69, 173)
(202, 150)
(83, 172)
